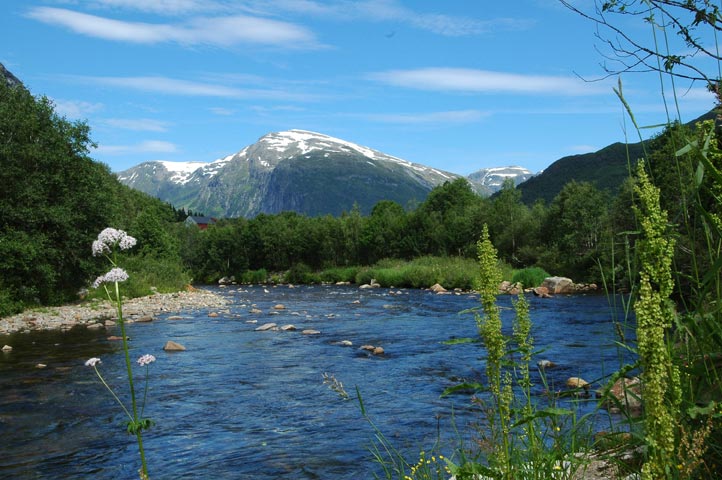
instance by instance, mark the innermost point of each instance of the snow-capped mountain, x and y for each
(490, 180)
(297, 170)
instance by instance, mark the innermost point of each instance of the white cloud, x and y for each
(220, 31)
(227, 112)
(76, 109)
(455, 116)
(390, 11)
(484, 81)
(173, 86)
(138, 124)
(166, 7)
(148, 146)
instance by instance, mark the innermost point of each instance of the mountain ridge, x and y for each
(300, 170)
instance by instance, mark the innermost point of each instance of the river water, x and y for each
(240, 403)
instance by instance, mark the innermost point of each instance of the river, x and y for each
(241, 403)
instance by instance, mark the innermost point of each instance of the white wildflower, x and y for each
(114, 275)
(146, 359)
(109, 238)
(99, 248)
(127, 242)
(92, 362)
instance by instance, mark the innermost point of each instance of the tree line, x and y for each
(55, 199)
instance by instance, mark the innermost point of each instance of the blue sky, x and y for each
(458, 85)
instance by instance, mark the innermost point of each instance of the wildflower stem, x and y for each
(112, 392)
(134, 419)
(145, 392)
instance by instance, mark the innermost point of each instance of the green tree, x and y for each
(383, 234)
(576, 227)
(54, 199)
(511, 224)
(443, 222)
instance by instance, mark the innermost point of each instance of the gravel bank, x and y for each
(98, 312)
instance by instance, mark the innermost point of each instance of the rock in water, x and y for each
(171, 346)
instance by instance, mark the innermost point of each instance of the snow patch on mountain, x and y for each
(181, 171)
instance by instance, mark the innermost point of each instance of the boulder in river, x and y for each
(558, 285)
(266, 327)
(576, 382)
(171, 346)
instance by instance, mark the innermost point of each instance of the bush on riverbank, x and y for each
(451, 272)
(148, 275)
(530, 277)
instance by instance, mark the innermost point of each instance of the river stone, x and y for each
(576, 382)
(379, 351)
(7, 348)
(255, 310)
(310, 332)
(558, 285)
(546, 364)
(369, 348)
(345, 343)
(266, 326)
(437, 288)
(213, 314)
(627, 394)
(144, 319)
(95, 326)
(288, 328)
(280, 306)
(171, 346)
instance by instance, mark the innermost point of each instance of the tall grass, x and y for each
(424, 272)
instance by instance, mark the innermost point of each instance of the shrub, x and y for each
(339, 274)
(301, 273)
(254, 276)
(530, 277)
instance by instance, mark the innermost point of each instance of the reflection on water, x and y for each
(246, 404)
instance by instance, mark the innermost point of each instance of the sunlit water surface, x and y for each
(246, 404)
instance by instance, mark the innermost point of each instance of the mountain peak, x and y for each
(302, 142)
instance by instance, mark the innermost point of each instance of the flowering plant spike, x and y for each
(109, 241)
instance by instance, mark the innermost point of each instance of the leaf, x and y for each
(709, 409)
(547, 412)
(462, 387)
(699, 174)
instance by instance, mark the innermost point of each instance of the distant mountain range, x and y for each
(606, 169)
(302, 171)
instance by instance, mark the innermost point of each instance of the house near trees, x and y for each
(200, 222)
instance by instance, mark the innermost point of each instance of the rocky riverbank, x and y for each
(97, 313)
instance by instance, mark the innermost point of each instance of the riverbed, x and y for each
(243, 403)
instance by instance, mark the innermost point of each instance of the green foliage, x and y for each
(301, 273)
(654, 318)
(530, 277)
(259, 276)
(424, 272)
(53, 200)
